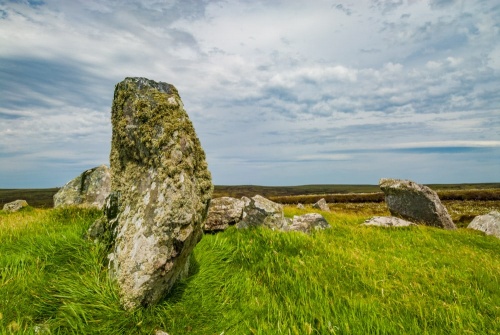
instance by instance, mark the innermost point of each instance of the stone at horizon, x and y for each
(416, 203)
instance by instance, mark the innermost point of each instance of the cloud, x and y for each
(279, 92)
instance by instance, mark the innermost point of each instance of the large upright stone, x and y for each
(416, 203)
(162, 185)
(90, 188)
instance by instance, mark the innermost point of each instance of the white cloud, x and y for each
(267, 84)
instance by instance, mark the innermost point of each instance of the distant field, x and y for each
(39, 198)
(306, 194)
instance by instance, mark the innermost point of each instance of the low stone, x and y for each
(88, 189)
(416, 203)
(321, 205)
(222, 213)
(300, 206)
(307, 223)
(387, 221)
(15, 206)
(488, 223)
(259, 211)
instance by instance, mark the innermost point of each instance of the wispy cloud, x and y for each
(280, 92)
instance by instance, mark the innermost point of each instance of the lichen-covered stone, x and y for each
(15, 206)
(416, 203)
(163, 186)
(321, 204)
(223, 212)
(387, 221)
(259, 211)
(488, 223)
(307, 223)
(88, 189)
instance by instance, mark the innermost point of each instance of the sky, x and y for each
(280, 92)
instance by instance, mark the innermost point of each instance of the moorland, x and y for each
(350, 279)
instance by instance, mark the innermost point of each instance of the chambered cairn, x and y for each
(160, 191)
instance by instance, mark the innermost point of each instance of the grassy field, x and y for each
(349, 279)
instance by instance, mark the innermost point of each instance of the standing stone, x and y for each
(488, 223)
(15, 206)
(259, 211)
(163, 188)
(416, 203)
(90, 188)
(222, 213)
(321, 205)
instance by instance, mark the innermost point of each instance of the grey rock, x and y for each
(223, 212)
(162, 187)
(89, 189)
(416, 203)
(322, 205)
(387, 221)
(259, 211)
(300, 206)
(15, 206)
(307, 223)
(488, 223)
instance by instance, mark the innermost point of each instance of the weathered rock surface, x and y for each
(321, 205)
(307, 223)
(416, 203)
(223, 212)
(300, 206)
(162, 189)
(88, 189)
(488, 223)
(259, 211)
(15, 206)
(387, 221)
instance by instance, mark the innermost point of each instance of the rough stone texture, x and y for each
(488, 223)
(261, 211)
(307, 223)
(222, 213)
(416, 203)
(300, 206)
(387, 221)
(322, 205)
(14, 206)
(88, 189)
(162, 187)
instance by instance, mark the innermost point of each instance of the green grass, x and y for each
(349, 279)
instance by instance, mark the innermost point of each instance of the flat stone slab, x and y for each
(307, 223)
(15, 206)
(387, 221)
